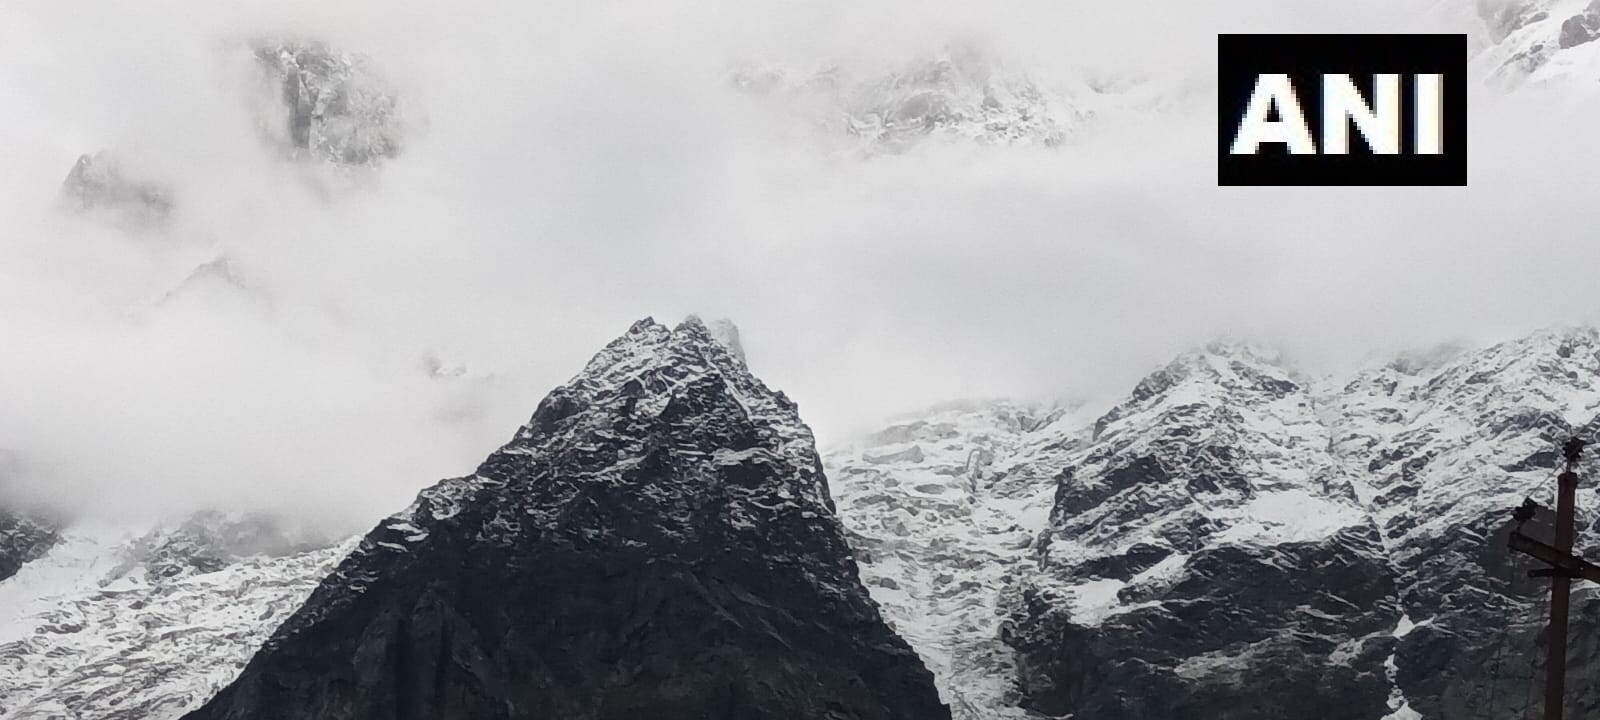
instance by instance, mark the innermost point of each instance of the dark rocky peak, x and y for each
(656, 391)
(656, 542)
(337, 107)
(102, 187)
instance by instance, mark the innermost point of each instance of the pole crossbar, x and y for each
(1564, 568)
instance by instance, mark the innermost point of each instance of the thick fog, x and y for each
(570, 167)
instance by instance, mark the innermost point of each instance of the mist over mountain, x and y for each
(270, 271)
(1007, 176)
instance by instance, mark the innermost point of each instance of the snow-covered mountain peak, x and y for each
(1224, 380)
(650, 367)
(1539, 42)
(602, 433)
(662, 524)
(959, 92)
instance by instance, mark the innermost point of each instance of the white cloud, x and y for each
(579, 165)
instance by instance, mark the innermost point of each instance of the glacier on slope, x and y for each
(120, 622)
(937, 534)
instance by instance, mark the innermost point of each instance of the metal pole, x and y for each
(1561, 586)
(1560, 589)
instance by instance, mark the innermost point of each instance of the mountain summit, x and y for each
(657, 542)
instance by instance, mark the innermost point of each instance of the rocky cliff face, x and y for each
(336, 107)
(23, 538)
(1449, 447)
(1235, 539)
(658, 541)
(1207, 557)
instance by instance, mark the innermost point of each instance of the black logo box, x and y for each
(1305, 58)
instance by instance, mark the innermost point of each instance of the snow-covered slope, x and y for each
(1458, 443)
(120, 623)
(938, 534)
(1532, 43)
(1207, 557)
(1235, 539)
(962, 94)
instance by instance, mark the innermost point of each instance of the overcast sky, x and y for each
(574, 166)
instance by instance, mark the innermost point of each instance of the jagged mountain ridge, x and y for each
(1039, 556)
(657, 541)
(1204, 537)
(1235, 539)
